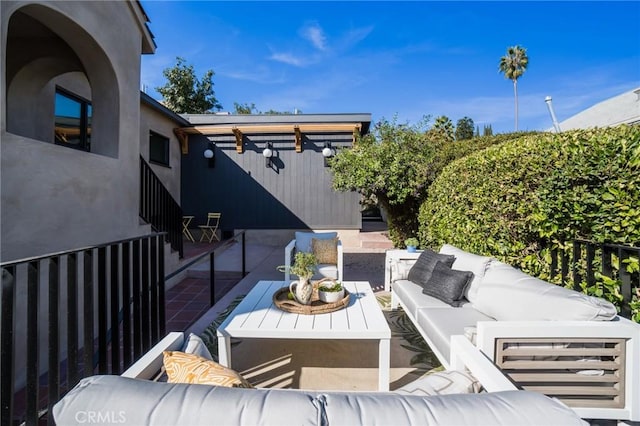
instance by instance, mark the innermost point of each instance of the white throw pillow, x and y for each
(466, 261)
(303, 239)
(195, 345)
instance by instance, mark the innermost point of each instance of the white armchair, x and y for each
(328, 250)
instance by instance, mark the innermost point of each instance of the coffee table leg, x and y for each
(384, 364)
(224, 351)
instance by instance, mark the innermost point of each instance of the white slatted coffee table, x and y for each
(257, 317)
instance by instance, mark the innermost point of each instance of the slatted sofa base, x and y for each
(579, 372)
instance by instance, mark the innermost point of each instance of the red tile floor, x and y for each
(188, 300)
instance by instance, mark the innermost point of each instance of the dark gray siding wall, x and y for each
(295, 193)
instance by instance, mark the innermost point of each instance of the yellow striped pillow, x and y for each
(189, 368)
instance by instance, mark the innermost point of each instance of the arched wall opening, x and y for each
(46, 49)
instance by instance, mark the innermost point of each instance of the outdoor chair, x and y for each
(327, 248)
(209, 231)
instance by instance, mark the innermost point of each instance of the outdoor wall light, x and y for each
(210, 154)
(267, 152)
(327, 152)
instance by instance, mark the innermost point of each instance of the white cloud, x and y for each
(288, 58)
(314, 33)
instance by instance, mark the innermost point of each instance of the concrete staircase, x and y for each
(373, 238)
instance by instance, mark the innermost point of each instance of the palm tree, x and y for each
(513, 65)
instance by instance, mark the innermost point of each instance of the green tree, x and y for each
(185, 93)
(464, 129)
(245, 108)
(396, 164)
(513, 65)
(442, 129)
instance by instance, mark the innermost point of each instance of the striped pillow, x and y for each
(189, 368)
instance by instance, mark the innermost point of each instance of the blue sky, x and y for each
(404, 59)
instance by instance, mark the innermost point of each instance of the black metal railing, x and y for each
(608, 270)
(73, 314)
(240, 235)
(159, 208)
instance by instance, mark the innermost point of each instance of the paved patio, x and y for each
(188, 303)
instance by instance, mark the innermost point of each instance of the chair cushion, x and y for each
(466, 261)
(448, 284)
(189, 368)
(325, 250)
(422, 269)
(509, 294)
(326, 271)
(303, 239)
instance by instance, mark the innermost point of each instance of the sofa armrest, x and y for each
(620, 339)
(466, 356)
(150, 363)
(289, 253)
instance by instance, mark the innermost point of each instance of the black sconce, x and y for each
(327, 152)
(267, 152)
(210, 154)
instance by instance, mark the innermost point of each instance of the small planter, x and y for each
(330, 292)
(412, 244)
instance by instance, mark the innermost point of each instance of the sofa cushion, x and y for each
(141, 402)
(442, 323)
(447, 284)
(466, 261)
(509, 294)
(442, 383)
(411, 296)
(303, 239)
(190, 368)
(422, 269)
(497, 408)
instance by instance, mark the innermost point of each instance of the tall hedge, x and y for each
(514, 199)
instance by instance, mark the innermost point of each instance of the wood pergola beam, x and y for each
(273, 128)
(238, 131)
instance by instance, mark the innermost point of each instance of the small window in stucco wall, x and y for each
(72, 127)
(158, 149)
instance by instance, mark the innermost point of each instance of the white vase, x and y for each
(302, 290)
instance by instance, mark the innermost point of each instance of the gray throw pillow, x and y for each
(421, 271)
(448, 284)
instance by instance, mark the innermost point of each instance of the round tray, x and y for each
(281, 300)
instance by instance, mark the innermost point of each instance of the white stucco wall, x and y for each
(55, 198)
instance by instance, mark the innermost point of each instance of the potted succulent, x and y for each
(304, 266)
(331, 292)
(412, 244)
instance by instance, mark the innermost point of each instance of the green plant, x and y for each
(304, 265)
(397, 163)
(332, 288)
(411, 242)
(517, 199)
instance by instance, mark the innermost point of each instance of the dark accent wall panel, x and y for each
(294, 193)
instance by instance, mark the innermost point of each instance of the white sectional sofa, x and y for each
(543, 337)
(132, 399)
